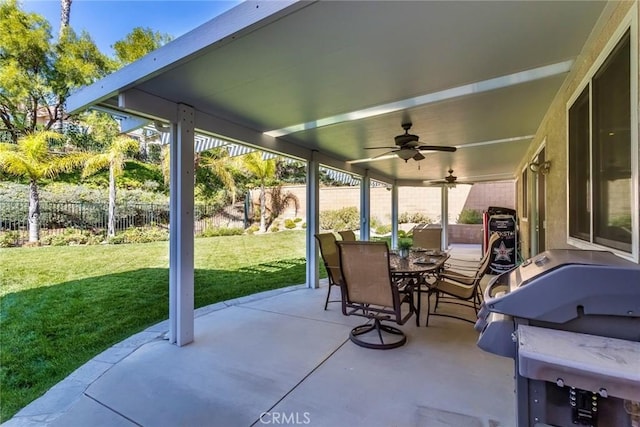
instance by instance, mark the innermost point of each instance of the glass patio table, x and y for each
(416, 270)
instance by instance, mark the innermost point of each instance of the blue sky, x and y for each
(108, 21)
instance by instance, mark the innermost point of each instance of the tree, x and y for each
(36, 74)
(139, 42)
(65, 14)
(215, 173)
(31, 159)
(280, 200)
(263, 171)
(293, 172)
(65, 18)
(119, 148)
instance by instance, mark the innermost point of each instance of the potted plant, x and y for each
(404, 245)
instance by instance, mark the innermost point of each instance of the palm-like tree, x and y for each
(31, 159)
(218, 162)
(114, 158)
(65, 14)
(263, 170)
(65, 17)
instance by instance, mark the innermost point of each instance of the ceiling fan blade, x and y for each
(437, 148)
(383, 154)
(380, 148)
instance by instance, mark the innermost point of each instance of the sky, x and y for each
(108, 21)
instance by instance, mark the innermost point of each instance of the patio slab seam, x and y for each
(307, 376)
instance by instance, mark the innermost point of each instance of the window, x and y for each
(525, 194)
(579, 169)
(600, 175)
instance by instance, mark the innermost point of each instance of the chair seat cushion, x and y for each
(456, 289)
(458, 277)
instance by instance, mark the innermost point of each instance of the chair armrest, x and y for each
(465, 260)
(458, 277)
(461, 267)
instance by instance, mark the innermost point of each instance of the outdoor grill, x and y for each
(570, 319)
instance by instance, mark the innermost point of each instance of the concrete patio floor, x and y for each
(279, 358)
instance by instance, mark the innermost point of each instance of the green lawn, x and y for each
(60, 306)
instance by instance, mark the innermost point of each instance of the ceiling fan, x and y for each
(450, 180)
(408, 146)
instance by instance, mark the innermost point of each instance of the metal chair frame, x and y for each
(460, 289)
(331, 260)
(369, 291)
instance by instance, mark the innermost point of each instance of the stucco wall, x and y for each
(553, 133)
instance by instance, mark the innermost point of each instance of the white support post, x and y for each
(394, 216)
(313, 207)
(181, 248)
(365, 207)
(444, 206)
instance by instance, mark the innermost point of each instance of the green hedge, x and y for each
(340, 219)
(470, 216)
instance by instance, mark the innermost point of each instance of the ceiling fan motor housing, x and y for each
(406, 139)
(450, 178)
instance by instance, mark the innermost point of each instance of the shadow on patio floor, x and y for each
(280, 358)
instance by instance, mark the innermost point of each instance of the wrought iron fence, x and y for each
(56, 217)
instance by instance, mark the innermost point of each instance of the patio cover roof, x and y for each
(337, 76)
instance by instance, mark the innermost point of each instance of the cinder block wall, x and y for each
(424, 200)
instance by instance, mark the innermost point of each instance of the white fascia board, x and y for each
(225, 28)
(234, 132)
(143, 104)
(131, 123)
(127, 122)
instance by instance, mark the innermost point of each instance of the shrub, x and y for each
(72, 236)
(297, 220)
(274, 229)
(341, 219)
(253, 229)
(140, 235)
(470, 216)
(414, 218)
(383, 229)
(289, 224)
(9, 239)
(221, 231)
(231, 231)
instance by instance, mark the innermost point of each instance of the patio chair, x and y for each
(369, 291)
(427, 237)
(331, 259)
(463, 270)
(454, 287)
(347, 235)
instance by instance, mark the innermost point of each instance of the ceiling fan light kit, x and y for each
(406, 153)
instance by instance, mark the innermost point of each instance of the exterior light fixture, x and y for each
(541, 168)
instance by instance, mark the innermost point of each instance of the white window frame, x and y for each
(628, 23)
(524, 189)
